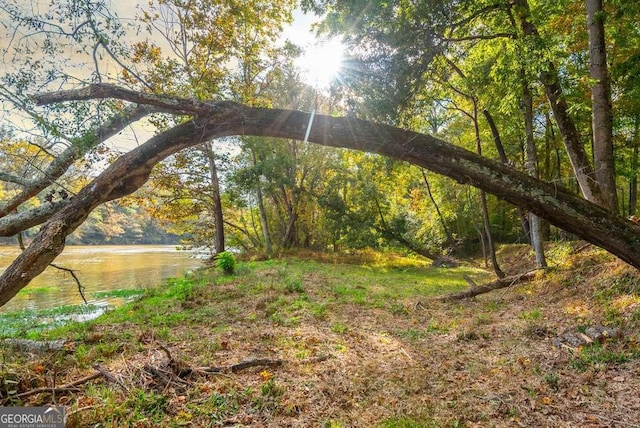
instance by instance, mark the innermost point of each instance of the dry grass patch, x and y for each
(345, 345)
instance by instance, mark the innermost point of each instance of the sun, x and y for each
(320, 64)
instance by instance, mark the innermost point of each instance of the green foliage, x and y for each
(531, 316)
(340, 328)
(35, 323)
(599, 356)
(553, 380)
(124, 293)
(294, 285)
(407, 423)
(226, 262)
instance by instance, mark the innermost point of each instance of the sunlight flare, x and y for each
(321, 63)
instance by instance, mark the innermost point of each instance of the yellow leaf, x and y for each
(266, 375)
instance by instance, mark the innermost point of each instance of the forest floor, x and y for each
(354, 341)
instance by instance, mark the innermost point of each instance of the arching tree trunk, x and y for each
(219, 119)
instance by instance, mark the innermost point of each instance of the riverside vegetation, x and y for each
(352, 340)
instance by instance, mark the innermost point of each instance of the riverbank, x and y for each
(101, 270)
(307, 343)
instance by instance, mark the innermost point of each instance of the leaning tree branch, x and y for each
(96, 91)
(61, 163)
(221, 119)
(10, 178)
(480, 37)
(17, 222)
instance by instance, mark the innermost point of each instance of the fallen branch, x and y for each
(71, 386)
(35, 345)
(485, 288)
(235, 368)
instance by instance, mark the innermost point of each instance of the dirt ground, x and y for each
(317, 353)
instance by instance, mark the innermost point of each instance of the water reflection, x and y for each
(99, 268)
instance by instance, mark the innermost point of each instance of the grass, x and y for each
(360, 346)
(38, 290)
(122, 293)
(32, 323)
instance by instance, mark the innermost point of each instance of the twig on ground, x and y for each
(235, 368)
(64, 388)
(71, 386)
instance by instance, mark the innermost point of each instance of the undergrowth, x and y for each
(362, 345)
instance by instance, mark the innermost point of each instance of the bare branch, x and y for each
(476, 14)
(163, 103)
(71, 272)
(18, 222)
(481, 37)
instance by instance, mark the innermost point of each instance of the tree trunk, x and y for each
(218, 218)
(264, 223)
(532, 167)
(550, 78)
(219, 119)
(602, 116)
(450, 239)
(483, 201)
(290, 205)
(633, 182)
(524, 221)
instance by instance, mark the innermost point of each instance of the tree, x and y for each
(83, 116)
(216, 119)
(601, 110)
(216, 48)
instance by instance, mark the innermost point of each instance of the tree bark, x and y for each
(219, 119)
(532, 168)
(486, 288)
(550, 78)
(524, 221)
(601, 112)
(633, 180)
(218, 218)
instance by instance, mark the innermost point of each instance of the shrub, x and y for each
(226, 262)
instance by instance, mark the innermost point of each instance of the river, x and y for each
(100, 269)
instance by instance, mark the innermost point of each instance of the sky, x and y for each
(300, 32)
